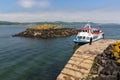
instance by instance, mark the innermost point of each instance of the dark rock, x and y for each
(50, 33)
(105, 66)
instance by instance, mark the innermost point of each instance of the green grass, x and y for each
(45, 27)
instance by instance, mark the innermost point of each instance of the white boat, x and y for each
(87, 34)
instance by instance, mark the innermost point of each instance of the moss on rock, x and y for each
(45, 27)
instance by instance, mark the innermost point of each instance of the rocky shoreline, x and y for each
(47, 31)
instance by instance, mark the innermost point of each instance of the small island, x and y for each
(47, 31)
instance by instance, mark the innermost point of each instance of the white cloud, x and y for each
(34, 3)
(27, 3)
(94, 16)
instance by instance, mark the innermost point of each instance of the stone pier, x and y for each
(79, 65)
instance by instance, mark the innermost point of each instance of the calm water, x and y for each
(37, 59)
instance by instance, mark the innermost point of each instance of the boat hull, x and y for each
(82, 42)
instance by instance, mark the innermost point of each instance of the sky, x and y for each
(100, 11)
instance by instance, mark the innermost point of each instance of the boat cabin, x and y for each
(83, 37)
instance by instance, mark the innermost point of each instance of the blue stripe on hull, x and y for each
(79, 42)
(83, 42)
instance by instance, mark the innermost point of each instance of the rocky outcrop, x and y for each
(50, 33)
(107, 65)
(47, 31)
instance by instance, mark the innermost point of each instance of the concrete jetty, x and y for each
(79, 65)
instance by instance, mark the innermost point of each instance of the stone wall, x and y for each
(79, 65)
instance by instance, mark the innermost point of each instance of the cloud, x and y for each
(94, 16)
(27, 3)
(34, 3)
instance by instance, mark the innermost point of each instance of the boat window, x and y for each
(84, 30)
(88, 38)
(95, 37)
(83, 37)
(79, 37)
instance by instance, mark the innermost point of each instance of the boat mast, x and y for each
(89, 27)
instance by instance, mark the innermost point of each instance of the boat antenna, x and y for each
(89, 26)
